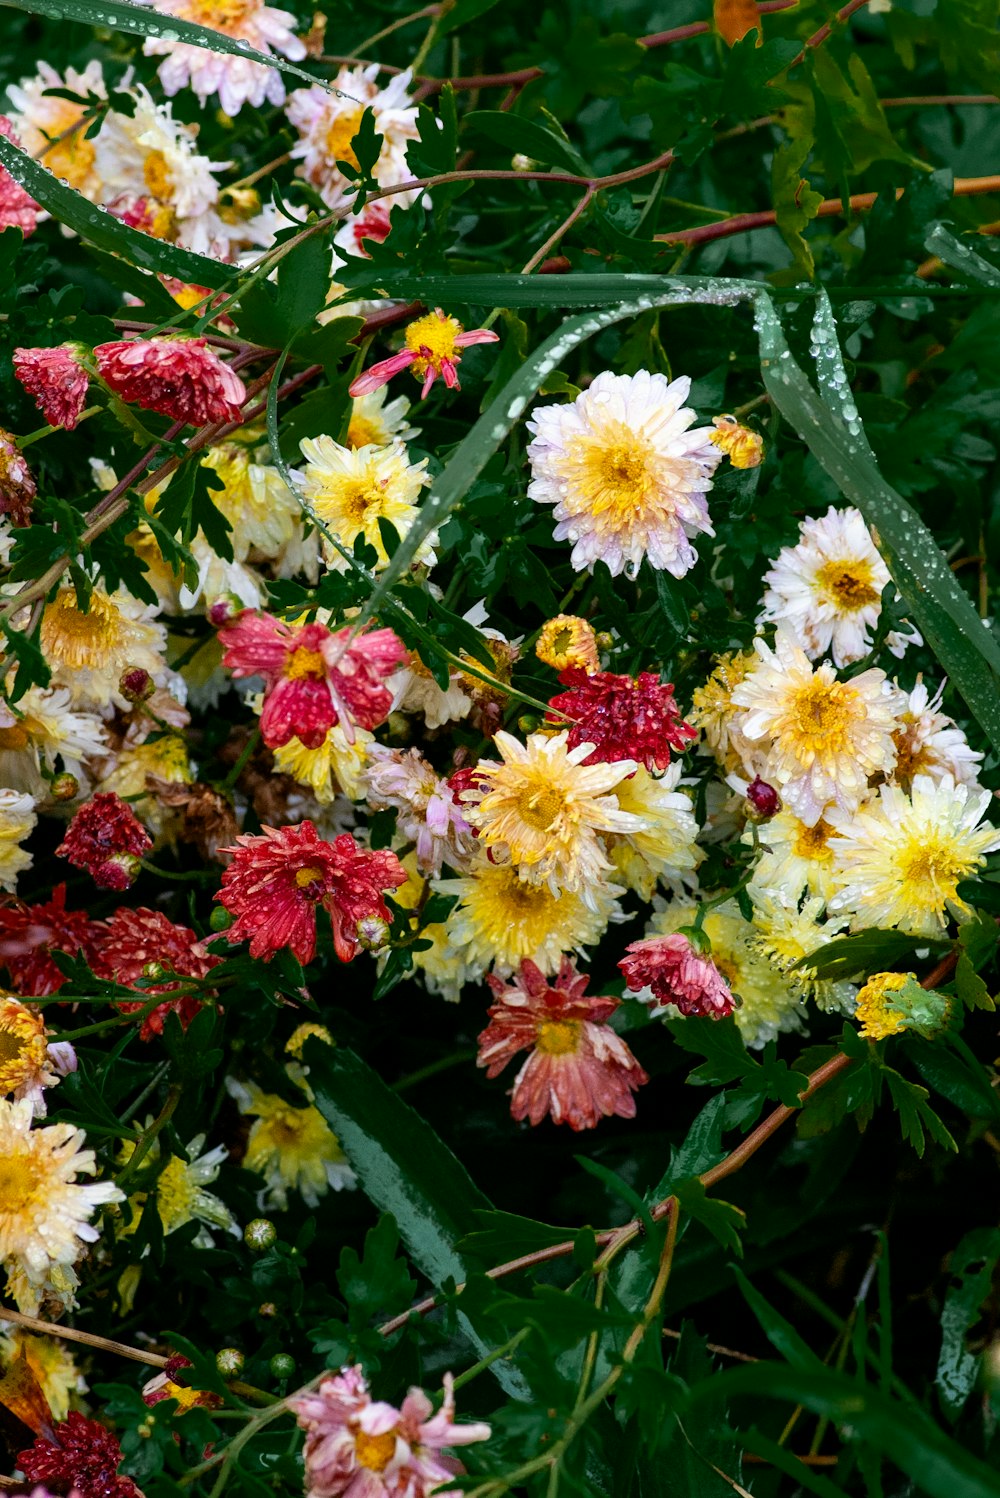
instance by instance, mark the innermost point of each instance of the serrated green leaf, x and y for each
(516, 134)
(724, 1221)
(861, 954)
(915, 1113)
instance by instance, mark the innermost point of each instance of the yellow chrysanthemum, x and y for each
(352, 489)
(51, 1363)
(336, 767)
(88, 651)
(24, 1052)
(294, 1149)
(786, 935)
(665, 846)
(442, 967)
(179, 1192)
(796, 859)
(567, 640)
(713, 712)
(377, 421)
(295, 1043)
(744, 448)
(874, 1012)
(255, 499)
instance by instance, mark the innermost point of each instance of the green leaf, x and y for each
(809, 1480)
(701, 1149)
(960, 1079)
(972, 1266)
(376, 1285)
(915, 1113)
(724, 1221)
(873, 951)
(516, 134)
(670, 596)
(795, 202)
(462, 12)
(960, 256)
(780, 1333)
(504, 1235)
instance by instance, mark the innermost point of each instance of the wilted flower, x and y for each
(17, 483)
(891, 1002)
(180, 377)
(56, 380)
(434, 345)
(622, 717)
(107, 840)
(80, 1456)
(676, 974)
(566, 640)
(137, 943)
(744, 448)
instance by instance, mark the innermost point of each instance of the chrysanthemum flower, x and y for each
(827, 589)
(264, 514)
(328, 118)
(623, 717)
(899, 860)
(743, 447)
(88, 651)
(336, 768)
(787, 934)
(713, 711)
(80, 1456)
(627, 477)
(275, 882)
(362, 1448)
(433, 350)
(796, 858)
(543, 808)
(313, 678)
(180, 1196)
(377, 421)
(928, 742)
(294, 1149)
(45, 122)
(17, 821)
(44, 1215)
(143, 944)
(165, 759)
(579, 1070)
(352, 489)
(55, 380)
(52, 1365)
(675, 975)
(18, 489)
(665, 847)
(179, 377)
(236, 80)
(567, 640)
(18, 209)
(501, 919)
(107, 840)
(29, 1061)
(43, 734)
(429, 814)
(822, 738)
(29, 933)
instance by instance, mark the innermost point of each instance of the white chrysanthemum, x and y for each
(500, 919)
(254, 498)
(665, 847)
(898, 861)
(626, 475)
(769, 1002)
(542, 810)
(43, 733)
(928, 742)
(352, 489)
(88, 652)
(420, 693)
(828, 589)
(336, 767)
(328, 120)
(236, 80)
(17, 821)
(822, 737)
(293, 1149)
(40, 117)
(45, 1217)
(377, 421)
(796, 858)
(427, 812)
(786, 934)
(215, 578)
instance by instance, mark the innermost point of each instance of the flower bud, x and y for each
(229, 1362)
(763, 801)
(223, 609)
(153, 970)
(136, 684)
(373, 933)
(522, 163)
(282, 1365)
(119, 872)
(260, 1234)
(220, 919)
(64, 787)
(267, 1309)
(528, 722)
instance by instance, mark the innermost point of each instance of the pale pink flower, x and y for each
(18, 209)
(179, 377)
(54, 377)
(676, 974)
(434, 346)
(236, 80)
(429, 815)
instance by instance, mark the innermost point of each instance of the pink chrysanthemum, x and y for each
(79, 1455)
(579, 1070)
(55, 380)
(134, 944)
(624, 717)
(313, 678)
(434, 345)
(677, 975)
(18, 209)
(107, 840)
(275, 882)
(357, 1447)
(179, 377)
(18, 489)
(29, 933)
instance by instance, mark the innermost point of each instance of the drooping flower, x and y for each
(627, 477)
(928, 742)
(55, 380)
(822, 738)
(623, 717)
(363, 1448)
(742, 446)
(378, 422)
(51, 127)
(328, 118)
(899, 860)
(676, 974)
(293, 1149)
(827, 589)
(275, 882)
(352, 489)
(428, 813)
(80, 1456)
(179, 1196)
(29, 1061)
(433, 350)
(17, 821)
(665, 847)
(579, 1070)
(29, 933)
(18, 209)
(179, 377)
(89, 650)
(313, 678)
(143, 945)
(542, 808)
(107, 840)
(45, 1217)
(52, 1365)
(714, 712)
(567, 640)
(235, 79)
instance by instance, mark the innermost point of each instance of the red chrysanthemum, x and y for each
(579, 1070)
(55, 380)
(134, 939)
(29, 933)
(81, 1455)
(676, 974)
(624, 717)
(179, 377)
(107, 840)
(18, 209)
(313, 677)
(275, 882)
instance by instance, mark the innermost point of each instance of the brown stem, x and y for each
(819, 37)
(559, 232)
(72, 1334)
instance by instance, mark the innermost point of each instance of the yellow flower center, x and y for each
(874, 1010)
(78, 640)
(340, 133)
(71, 158)
(14, 737)
(811, 842)
(157, 176)
(558, 1037)
(362, 432)
(935, 863)
(21, 1184)
(305, 877)
(543, 808)
(819, 718)
(303, 663)
(176, 1195)
(359, 497)
(848, 585)
(374, 1452)
(433, 338)
(219, 14)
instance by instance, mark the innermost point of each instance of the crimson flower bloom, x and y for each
(275, 882)
(56, 381)
(579, 1070)
(18, 209)
(678, 975)
(134, 939)
(623, 717)
(179, 377)
(434, 346)
(81, 1455)
(28, 933)
(107, 840)
(313, 678)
